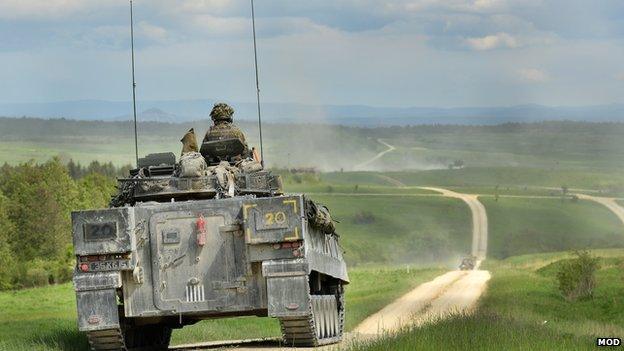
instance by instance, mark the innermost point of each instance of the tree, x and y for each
(7, 261)
(95, 191)
(41, 198)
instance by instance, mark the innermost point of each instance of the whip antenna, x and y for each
(253, 25)
(136, 142)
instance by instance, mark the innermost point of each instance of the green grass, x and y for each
(477, 332)
(522, 226)
(530, 283)
(510, 180)
(515, 176)
(505, 190)
(523, 310)
(45, 318)
(328, 188)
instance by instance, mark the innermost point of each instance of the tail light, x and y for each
(201, 231)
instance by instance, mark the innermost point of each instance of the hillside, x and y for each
(356, 115)
(549, 146)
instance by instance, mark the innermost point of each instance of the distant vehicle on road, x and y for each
(468, 263)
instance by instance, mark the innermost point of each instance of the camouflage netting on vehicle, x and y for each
(319, 217)
(192, 164)
(193, 178)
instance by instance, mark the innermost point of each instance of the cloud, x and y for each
(152, 32)
(490, 42)
(327, 51)
(533, 75)
(49, 10)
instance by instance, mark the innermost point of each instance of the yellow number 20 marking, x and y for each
(271, 218)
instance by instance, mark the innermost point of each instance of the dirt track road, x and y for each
(608, 202)
(362, 166)
(455, 291)
(479, 220)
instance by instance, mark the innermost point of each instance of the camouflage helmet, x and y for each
(221, 112)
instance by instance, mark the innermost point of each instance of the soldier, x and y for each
(223, 126)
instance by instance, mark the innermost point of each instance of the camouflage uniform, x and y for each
(223, 127)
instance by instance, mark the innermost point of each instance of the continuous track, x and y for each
(109, 339)
(323, 325)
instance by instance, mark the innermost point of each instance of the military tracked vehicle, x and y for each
(468, 263)
(206, 237)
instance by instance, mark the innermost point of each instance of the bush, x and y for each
(364, 217)
(577, 276)
(36, 273)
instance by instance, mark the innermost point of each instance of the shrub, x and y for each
(577, 276)
(36, 273)
(364, 217)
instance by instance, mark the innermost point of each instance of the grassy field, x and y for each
(523, 310)
(417, 230)
(522, 226)
(516, 225)
(530, 282)
(356, 189)
(522, 178)
(45, 318)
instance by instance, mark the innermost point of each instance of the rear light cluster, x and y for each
(288, 245)
(201, 231)
(295, 246)
(83, 261)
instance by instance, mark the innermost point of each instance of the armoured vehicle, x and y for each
(468, 263)
(206, 237)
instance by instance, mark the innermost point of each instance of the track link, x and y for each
(323, 325)
(131, 338)
(109, 339)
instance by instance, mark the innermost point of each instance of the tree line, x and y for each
(35, 225)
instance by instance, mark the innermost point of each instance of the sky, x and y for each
(384, 53)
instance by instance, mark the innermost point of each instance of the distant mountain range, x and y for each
(354, 115)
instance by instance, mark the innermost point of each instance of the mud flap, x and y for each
(96, 299)
(287, 288)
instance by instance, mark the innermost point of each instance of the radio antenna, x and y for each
(136, 142)
(253, 25)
